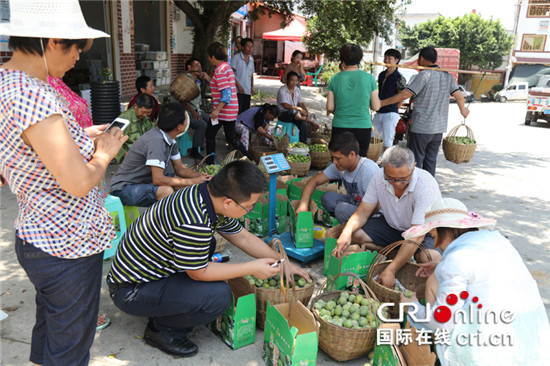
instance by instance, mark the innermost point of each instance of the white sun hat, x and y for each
(449, 212)
(48, 19)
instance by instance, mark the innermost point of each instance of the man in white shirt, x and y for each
(243, 67)
(403, 194)
(354, 171)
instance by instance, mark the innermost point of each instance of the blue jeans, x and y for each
(174, 304)
(143, 195)
(340, 205)
(67, 304)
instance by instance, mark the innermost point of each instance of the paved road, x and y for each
(507, 179)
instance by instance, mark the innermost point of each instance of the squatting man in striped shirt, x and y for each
(403, 193)
(162, 270)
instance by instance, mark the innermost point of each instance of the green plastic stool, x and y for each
(131, 213)
(185, 142)
(289, 128)
(116, 210)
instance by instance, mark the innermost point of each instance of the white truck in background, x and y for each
(513, 91)
(538, 102)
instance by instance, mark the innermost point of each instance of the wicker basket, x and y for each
(302, 294)
(299, 169)
(184, 89)
(459, 153)
(406, 276)
(319, 159)
(375, 148)
(221, 243)
(283, 143)
(258, 151)
(343, 344)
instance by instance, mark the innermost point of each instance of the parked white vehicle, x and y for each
(513, 91)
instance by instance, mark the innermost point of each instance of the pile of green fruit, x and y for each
(464, 140)
(350, 311)
(274, 283)
(299, 145)
(296, 158)
(318, 148)
(211, 169)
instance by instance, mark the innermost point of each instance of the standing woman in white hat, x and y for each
(53, 167)
(481, 294)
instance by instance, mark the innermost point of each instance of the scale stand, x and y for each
(274, 164)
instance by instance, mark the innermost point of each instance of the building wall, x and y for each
(126, 60)
(532, 31)
(181, 36)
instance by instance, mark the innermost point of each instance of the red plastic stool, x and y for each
(281, 72)
(308, 81)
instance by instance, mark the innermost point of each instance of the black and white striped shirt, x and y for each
(173, 235)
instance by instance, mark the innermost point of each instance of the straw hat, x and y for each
(48, 19)
(449, 212)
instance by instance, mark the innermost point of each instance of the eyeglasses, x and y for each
(398, 180)
(241, 206)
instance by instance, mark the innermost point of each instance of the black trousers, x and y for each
(361, 134)
(230, 136)
(290, 116)
(244, 102)
(425, 147)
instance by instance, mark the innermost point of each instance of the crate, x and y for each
(148, 65)
(153, 73)
(156, 55)
(141, 47)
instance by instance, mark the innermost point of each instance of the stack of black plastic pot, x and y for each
(105, 97)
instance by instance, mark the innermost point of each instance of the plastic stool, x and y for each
(281, 72)
(308, 81)
(289, 128)
(131, 213)
(185, 142)
(116, 210)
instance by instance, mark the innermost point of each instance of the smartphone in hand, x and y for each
(120, 123)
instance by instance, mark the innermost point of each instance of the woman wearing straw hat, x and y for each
(480, 274)
(53, 167)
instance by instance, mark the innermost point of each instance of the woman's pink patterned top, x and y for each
(77, 105)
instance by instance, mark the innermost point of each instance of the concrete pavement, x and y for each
(507, 180)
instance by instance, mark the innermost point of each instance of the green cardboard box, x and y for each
(257, 220)
(290, 335)
(386, 354)
(295, 188)
(301, 225)
(237, 325)
(358, 263)
(322, 216)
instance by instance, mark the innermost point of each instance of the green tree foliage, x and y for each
(482, 42)
(332, 23)
(212, 19)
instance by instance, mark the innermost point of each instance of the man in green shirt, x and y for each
(138, 115)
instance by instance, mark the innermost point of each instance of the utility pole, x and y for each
(511, 57)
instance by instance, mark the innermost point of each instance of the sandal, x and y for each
(105, 324)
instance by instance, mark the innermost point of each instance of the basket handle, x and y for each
(386, 250)
(332, 280)
(200, 164)
(454, 130)
(276, 245)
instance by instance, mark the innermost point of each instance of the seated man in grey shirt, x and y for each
(403, 193)
(354, 171)
(141, 180)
